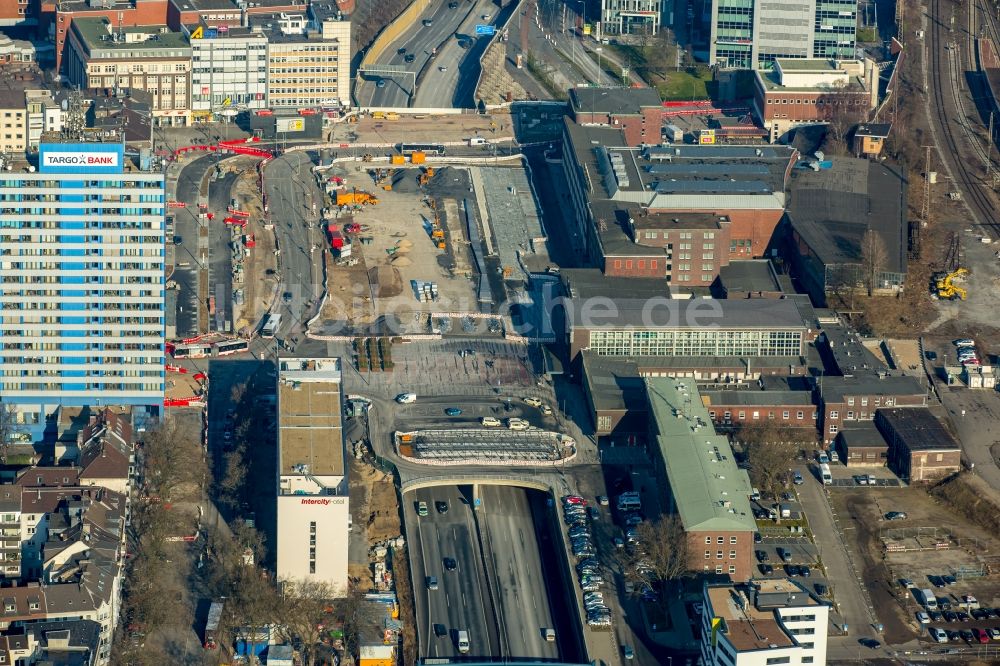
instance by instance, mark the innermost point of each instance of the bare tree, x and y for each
(662, 553)
(357, 615)
(874, 258)
(770, 447)
(174, 461)
(841, 111)
(304, 604)
(10, 429)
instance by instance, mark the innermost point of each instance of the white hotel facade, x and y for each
(81, 282)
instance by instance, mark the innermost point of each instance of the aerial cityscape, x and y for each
(533, 332)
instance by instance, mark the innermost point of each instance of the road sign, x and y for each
(479, 502)
(487, 30)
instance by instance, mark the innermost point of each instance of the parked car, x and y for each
(573, 499)
(949, 580)
(804, 571)
(602, 500)
(923, 618)
(949, 616)
(821, 589)
(765, 569)
(896, 515)
(994, 633)
(797, 479)
(938, 635)
(762, 556)
(453, 411)
(785, 555)
(966, 635)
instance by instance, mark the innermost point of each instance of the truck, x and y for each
(212, 625)
(270, 326)
(463, 641)
(673, 133)
(356, 198)
(630, 501)
(926, 598)
(824, 474)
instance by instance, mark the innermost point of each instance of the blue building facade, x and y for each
(81, 282)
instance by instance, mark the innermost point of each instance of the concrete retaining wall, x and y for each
(393, 31)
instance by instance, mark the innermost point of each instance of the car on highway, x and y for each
(628, 652)
(450, 564)
(547, 632)
(409, 57)
(432, 583)
(442, 68)
(380, 83)
(453, 411)
(428, 22)
(401, 50)
(485, 17)
(422, 509)
(440, 630)
(452, 5)
(441, 506)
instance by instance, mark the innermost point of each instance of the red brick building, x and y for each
(920, 448)
(19, 12)
(810, 91)
(730, 409)
(638, 112)
(846, 400)
(127, 13)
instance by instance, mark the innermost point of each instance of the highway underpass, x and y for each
(508, 583)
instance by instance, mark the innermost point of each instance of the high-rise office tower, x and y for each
(81, 282)
(750, 34)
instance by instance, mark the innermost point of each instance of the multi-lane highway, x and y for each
(418, 44)
(497, 591)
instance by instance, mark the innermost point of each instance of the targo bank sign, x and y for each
(81, 158)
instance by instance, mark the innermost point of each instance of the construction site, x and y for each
(409, 237)
(485, 446)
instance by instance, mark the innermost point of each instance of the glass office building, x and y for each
(81, 282)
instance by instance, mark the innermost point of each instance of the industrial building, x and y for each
(704, 486)
(830, 208)
(81, 248)
(752, 35)
(611, 183)
(768, 621)
(313, 511)
(920, 447)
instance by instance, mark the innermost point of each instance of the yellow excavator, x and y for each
(945, 287)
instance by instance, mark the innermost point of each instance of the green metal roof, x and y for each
(710, 492)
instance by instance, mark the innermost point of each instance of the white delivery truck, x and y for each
(926, 598)
(270, 326)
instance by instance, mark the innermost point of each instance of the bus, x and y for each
(270, 325)
(228, 347)
(426, 148)
(192, 351)
(212, 625)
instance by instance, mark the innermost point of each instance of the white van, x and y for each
(926, 598)
(406, 398)
(834, 456)
(477, 141)
(824, 474)
(463, 641)
(490, 422)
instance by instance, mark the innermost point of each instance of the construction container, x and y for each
(418, 157)
(392, 115)
(397, 159)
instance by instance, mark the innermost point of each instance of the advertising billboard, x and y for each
(290, 125)
(81, 158)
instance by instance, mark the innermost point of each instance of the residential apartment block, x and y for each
(705, 488)
(81, 297)
(312, 502)
(752, 34)
(102, 56)
(772, 621)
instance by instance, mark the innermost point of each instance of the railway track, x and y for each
(964, 173)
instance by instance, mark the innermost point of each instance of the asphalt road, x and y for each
(187, 255)
(419, 41)
(456, 86)
(514, 559)
(462, 600)
(292, 198)
(220, 255)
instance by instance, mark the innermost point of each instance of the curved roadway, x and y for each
(419, 41)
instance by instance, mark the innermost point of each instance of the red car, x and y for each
(573, 499)
(981, 635)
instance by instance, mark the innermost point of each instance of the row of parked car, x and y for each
(588, 568)
(974, 635)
